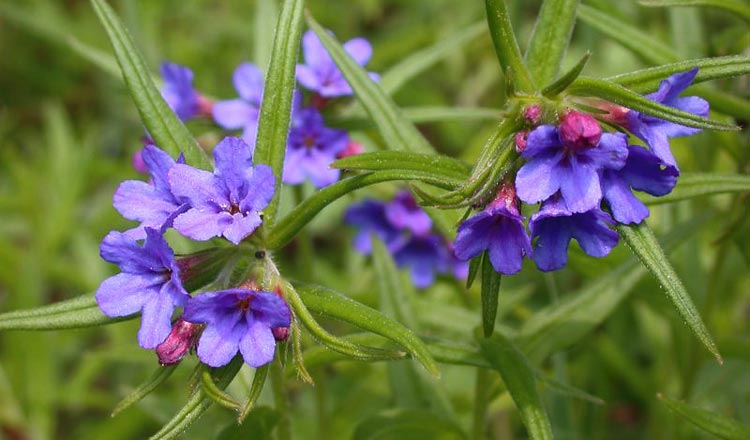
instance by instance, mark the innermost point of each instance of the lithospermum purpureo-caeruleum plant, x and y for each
(306, 179)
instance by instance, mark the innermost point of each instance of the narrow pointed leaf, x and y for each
(414, 64)
(520, 381)
(74, 313)
(552, 31)
(440, 166)
(474, 265)
(329, 303)
(266, 15)
(157, 378)
(287, 227)
(398, 133)
(198, 403)
(490, 295)
(162, 123)
(276, 108)
(736, 7)
(506, 46)
(561, 84)
(644, 245)
(692, 185)
(716, 424)
(259, 380)
(632, 100)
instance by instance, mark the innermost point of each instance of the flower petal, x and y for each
(593, 235)
(125, 294)
(233, 114)
(579, 186)
(201, 188)
(202, 224)
(241, 226)
(216, 349)
(537, 178)
(261, 187)
(156, 320)
(625, 207)
(542, 139)
(359, 49)
(271, 309)
(258, 345)
(248, 81)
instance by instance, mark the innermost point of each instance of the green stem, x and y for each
(481, 402)
(304, 255)
(278, 384)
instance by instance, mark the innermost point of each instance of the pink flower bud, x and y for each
(205, 106)
(579, 130)
(352, 148)
(181, 339)
(521, 139)
(280, 333)
(137, 160)
(532, 114)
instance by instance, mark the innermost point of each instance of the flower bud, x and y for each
(579, 130)
(280, 333)
(521, 139)
(532, 114)
(205, 106)
(352, 149)
(181, 339)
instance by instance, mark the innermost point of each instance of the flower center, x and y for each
(308, 141)
(234, 209)
(244, 303)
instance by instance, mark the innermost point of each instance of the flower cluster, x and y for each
(200, 205)
(584, 179)
(406, 231)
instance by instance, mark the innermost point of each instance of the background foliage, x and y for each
(67, 133)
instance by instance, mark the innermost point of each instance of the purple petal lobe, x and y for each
(233, 114)
(359, 49)
(258, 345)
(156, 321)
(215, 349)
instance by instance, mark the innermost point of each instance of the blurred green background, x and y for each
(67, 133)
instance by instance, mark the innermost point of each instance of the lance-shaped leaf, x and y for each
(397, 132)
(506, 46)
(162, 123)
(287, 227)
(490, 294)
(644, 245)
(717, 424)
(632, 100)
(329, 303)
(519, 379)
(74, 313)
(418, 62)
(565, 80)
(198, 402)
(161, 374)
(736, 7)
(266, 15)
(550, 39)
(276, 108)
(692, 185)
(440, 166)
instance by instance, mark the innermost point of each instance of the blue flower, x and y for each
(320, 73)
(153, 204)
(178, 90)
(555, 225)
(643, 171)
(369, 216)
(228, 202)
(149, 283)
(311, 149)
(237, 320)
(403, 212)
(424, 256)
(656, 132)
(572, 168)
(242, 113)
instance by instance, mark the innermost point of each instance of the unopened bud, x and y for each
(352, 149)
(579, 130)
(180, 341)
(205, 106)
(137, 160)
(280, 333)
(521, 139)
(532, 114)
(506, 196)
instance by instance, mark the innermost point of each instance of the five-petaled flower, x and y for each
(237, 320)
(149, 283)
(228, 202)
(242, 113)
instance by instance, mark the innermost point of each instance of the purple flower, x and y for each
(555, 226)
(499, 230)
(178, 90)
(149, 283)
(643, 171)
(403, 212)
(656, 132)
(228, 202)
(320, 74)
(370, 217)
(237, 320)
(573, 170)
(153, 204)
(424, 256)
(242, 113)
(311, 149)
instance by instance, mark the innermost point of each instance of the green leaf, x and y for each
(717, 424)
(259, 380)
(438, 165)
(329, 303)
(632, 100)
(397, 132)
(74, 313)
(506, 46)
(417, 62)
(276, 108)
(266, 16)
(412, 424)
(393, 297)
(422, 115)
(163, 125)
(644, 245)
(287, 227)
(474, 266)
(198, 402)
(561, 84)
(519, 379)
(161, 374)
(258, 426)
(549, 41)
(736, 7)
(692, 185)
(490, 295)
